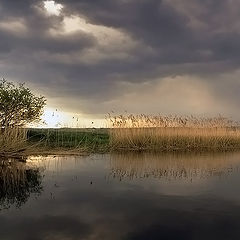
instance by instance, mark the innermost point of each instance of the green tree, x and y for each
(18, 105)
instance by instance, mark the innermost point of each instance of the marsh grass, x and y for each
(77, 139)
(172, 133)
(12, 140)
(16, 141)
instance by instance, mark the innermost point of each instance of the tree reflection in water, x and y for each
(172, 166)
(18, 180)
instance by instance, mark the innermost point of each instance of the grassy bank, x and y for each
(134, 133)
(67, 141)
(89, 140)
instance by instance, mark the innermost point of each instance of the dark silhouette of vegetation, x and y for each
(17, 182)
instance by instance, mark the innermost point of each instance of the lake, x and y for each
(129, 196)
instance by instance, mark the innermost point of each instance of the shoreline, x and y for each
(84, 142)
(74, 152)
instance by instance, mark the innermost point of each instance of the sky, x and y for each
(91, 57)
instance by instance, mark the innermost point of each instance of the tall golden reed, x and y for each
(169, 133)
(12, 140)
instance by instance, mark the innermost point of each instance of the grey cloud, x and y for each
(44, 42)
(172, 38)
(160, 25)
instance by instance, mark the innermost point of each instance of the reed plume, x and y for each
(172, 132)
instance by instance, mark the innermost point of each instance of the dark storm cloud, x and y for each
(160, 25)
(59, 44)
(37, 26)
(151, 21)
(163, 38)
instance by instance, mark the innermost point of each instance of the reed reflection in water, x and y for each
(18, 180)
(172, 166)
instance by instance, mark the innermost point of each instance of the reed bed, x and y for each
(12, 140)
(171, 133)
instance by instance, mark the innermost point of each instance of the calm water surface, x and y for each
(121, 196)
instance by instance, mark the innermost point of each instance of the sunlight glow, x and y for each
(54, 118)
(52, 7)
